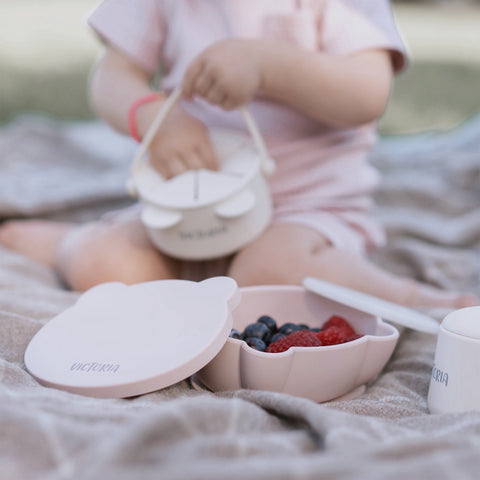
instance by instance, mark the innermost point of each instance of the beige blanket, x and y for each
(429, 201)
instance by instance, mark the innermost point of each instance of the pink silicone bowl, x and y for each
(317, 373)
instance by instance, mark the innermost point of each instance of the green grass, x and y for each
(46, 52)
(433, 95)
(59, 94)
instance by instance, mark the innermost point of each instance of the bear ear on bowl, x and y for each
(222, 288)
(389, 311)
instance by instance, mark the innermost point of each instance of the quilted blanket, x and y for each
(429, 201)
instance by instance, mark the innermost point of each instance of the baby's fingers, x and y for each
(215, 95)
(208, 156)
(175, 166)
(192, 75)
(193, 161)
(169, 165)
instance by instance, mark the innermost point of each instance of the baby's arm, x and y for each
(335, 90)
(181, 143)
(115, 83)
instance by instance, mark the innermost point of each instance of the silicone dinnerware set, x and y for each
(120, 341)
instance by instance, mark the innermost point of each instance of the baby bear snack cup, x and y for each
(203, 214)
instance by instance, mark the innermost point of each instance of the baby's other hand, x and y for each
(182, 143)
(226, 74)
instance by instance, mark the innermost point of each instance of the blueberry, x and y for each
(256, 343)
(269, 322)
(258, 330)
(276, 337)
(288, 328)
(236, 334)
(316, 329)
(302, 326)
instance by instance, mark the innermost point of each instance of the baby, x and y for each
(316, 75)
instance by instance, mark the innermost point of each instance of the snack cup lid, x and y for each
(373, 305)
(464, 322)
(120, 341)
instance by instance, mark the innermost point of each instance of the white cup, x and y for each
(455, 381)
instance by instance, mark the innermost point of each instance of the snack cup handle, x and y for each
(266, 162)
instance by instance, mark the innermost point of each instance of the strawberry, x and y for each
(354, 337)
(300, 338)
(332, 336)
(341, 323)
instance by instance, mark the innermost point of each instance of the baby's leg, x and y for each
(89, 254)
(35, 239)
(286, 253)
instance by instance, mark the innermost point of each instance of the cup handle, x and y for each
(266, 162)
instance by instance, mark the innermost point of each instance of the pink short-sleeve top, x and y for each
(319, 168)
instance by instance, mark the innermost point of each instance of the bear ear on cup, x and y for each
(236, 206)
(154, 217)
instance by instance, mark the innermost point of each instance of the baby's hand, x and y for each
(182, 143)
(226, 74)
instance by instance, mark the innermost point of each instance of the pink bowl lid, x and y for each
(120, 341)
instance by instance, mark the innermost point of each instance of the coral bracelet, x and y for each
(132, 125)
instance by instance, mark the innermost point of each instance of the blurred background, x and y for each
(47, 50)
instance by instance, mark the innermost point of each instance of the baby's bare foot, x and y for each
(36, 239)
(427, 296)
(465, 300)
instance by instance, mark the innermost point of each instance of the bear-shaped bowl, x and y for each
(317, 373)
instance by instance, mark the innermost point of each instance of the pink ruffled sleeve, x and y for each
(135, 27)
(349, 26)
